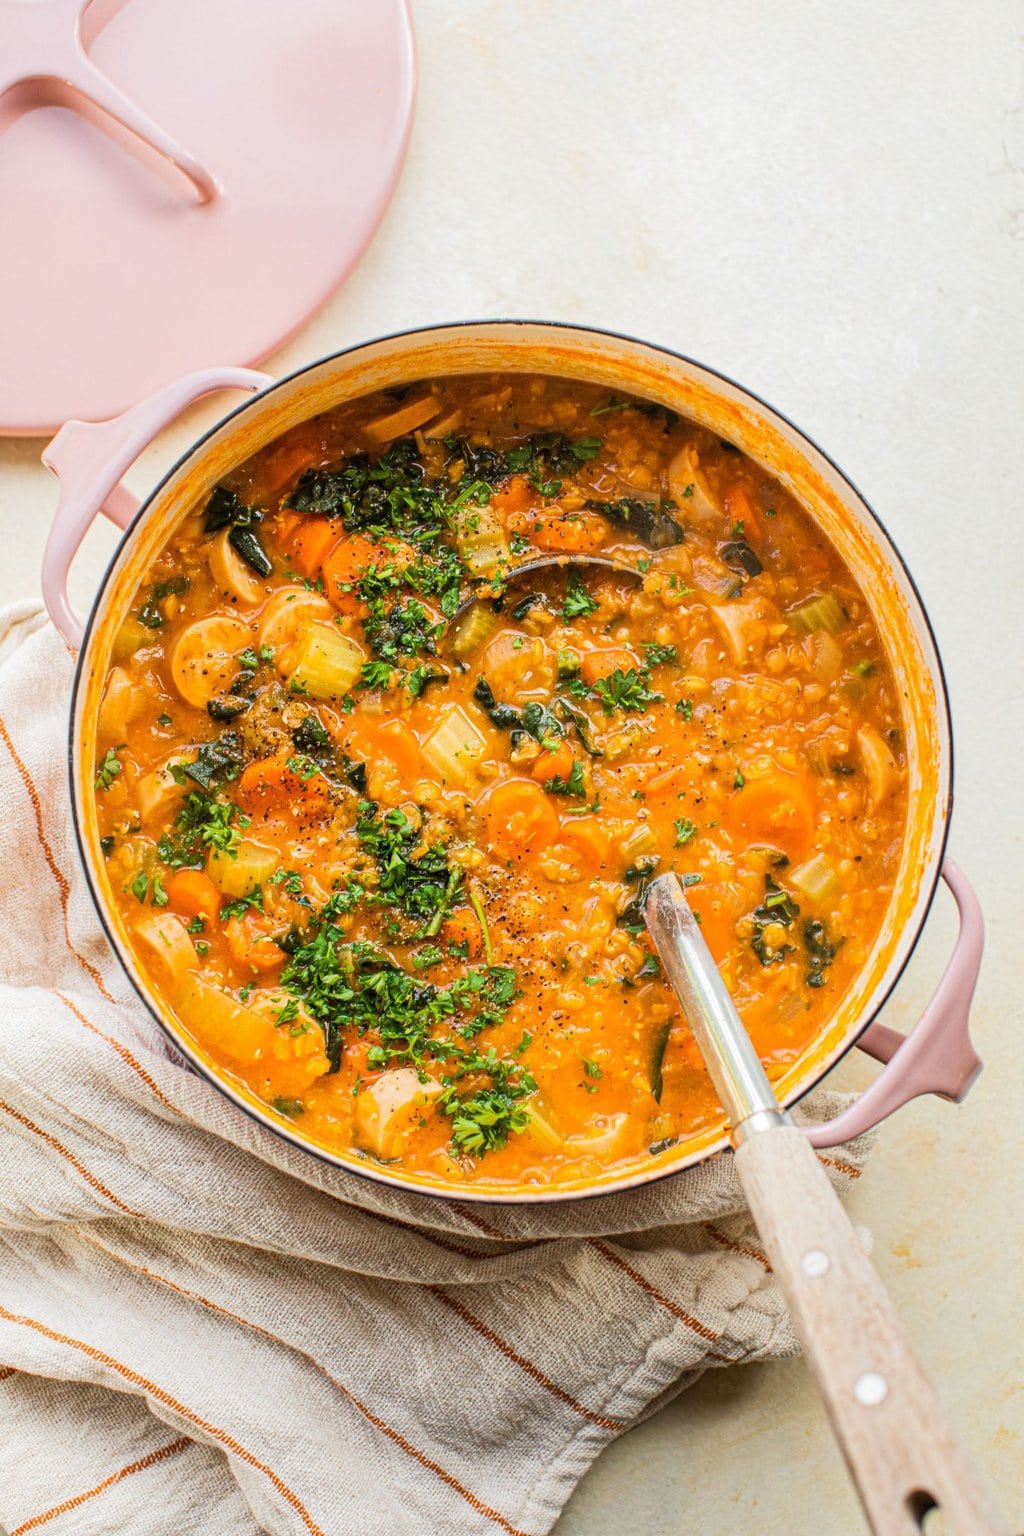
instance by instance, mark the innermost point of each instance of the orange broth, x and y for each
(378, 813)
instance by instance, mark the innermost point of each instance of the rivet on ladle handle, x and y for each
(903, 1454)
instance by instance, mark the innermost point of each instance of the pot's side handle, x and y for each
(937, 1056)
(89, 458)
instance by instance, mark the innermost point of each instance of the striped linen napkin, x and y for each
(203, 1330)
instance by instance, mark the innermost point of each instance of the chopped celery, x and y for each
(816, 879)
(454, 745)
(129, 638)
(640, 841)
(568, 663)
(472, 629)
(857, 680)
(540, 1127)
(818, 613)
(481, 539)
(238, 872)
(816, 752)
(325, 663)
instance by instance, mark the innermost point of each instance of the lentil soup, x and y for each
(379, 804)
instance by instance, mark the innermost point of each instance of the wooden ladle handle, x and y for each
(901, 1450)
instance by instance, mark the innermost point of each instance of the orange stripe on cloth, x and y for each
(733, 1247)
(175, 1447)
(612, 1257)
(693, 1323)
(126, 1372)
(428, 1237)
(468, 1214)
(51, 1141)
(378, 1423)
(122, 1050)
(63, 886)
(533, 1371)
(836, 1162)
(8, 1370)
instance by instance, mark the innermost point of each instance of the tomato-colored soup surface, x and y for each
(378, 807)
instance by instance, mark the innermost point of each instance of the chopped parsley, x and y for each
(412, 876)
(659, 655)
(204, 823)
(578, 601)
(109, 767)
(302, 766)
(375, 674)
(686, 831)
(626, 690)
(356, 987)
(486, 1118)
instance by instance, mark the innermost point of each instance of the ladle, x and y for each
(903, 1455)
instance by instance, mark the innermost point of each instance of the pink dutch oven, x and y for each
(90, 459)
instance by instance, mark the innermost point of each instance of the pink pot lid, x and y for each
(182, 183)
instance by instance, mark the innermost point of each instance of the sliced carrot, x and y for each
(366, 741)
(776, 808)
(585, 837)
(192, 893)
(342, 568)
(516, 496)
(575, 533)
(667, 783)
(296, 451)
(286, 523)
(602, 663)
(312, 542)
(268, 786)
(554, 765)
(249, 943)
(398, 742)
(463, 927)
(739, 508)
(521, 821)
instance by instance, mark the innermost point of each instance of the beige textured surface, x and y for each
(826, 203)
